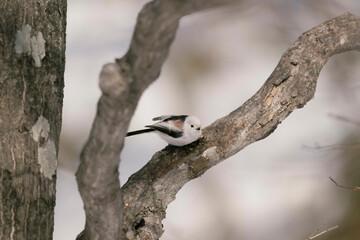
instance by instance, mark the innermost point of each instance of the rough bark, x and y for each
(32, 62)
(291, 85)
(122, 84)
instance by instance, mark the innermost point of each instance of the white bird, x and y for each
(177, 130)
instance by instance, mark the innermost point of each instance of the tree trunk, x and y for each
(32, 62)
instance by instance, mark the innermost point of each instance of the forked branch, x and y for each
(149, 191)
(291, 85)
(122, 83)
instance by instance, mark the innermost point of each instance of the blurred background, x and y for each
(277, 188)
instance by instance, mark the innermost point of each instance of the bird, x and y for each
(177, 130)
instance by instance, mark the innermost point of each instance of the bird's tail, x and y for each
(139, 132)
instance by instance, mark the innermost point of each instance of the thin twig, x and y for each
(323, 232)
(333, 147)
(341, 186)
(345, 119)
(319, 228)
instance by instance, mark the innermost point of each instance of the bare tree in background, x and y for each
(32, 63)
(148, 192)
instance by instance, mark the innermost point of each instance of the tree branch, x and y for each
(122, 84)
(291, 85)
(345, 119)
(342, 186)
(318, 233)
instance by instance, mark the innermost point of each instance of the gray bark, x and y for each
(32, 62)
(148, 192)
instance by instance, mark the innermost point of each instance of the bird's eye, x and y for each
(198, 129)
(192, 126)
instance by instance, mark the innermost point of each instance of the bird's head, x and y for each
(192, 127)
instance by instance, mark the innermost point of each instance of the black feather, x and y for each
(170, 132)
(139, 132)
(179, 117)
(167, 131)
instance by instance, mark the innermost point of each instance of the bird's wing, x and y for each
(160, 118)
(177, 124)
(168, 131)
(170, 117)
